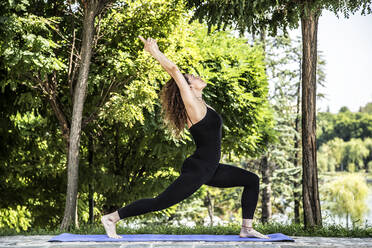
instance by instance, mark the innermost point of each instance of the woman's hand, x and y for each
(150, 44)
(152, 48)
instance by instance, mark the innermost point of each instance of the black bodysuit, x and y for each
(202, 167)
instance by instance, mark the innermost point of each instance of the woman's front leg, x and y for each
(232, 176)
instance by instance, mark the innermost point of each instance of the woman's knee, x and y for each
(253, 180)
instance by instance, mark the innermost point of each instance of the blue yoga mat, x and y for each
(68, 237)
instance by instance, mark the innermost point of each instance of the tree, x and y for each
(344, 109)
(368, 159)
(281, 54)
(39, 68)
(346, 196)
(39, 40)
(367, 108)
(354, 155)
(133, 155)
(253, 16)
(91, 9)
(264, 165)
(343, 125)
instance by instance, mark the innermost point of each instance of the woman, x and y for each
(202, 167)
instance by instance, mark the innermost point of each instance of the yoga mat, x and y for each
(68, 237)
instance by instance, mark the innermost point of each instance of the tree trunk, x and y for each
(90, 196)
(311, 203)
(209, 202)
(264, 164)
(266, 190)
(296, 195)
(76, 211)
(78, 104)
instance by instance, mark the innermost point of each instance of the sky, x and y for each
(346, 45)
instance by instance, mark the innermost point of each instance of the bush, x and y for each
(351, 167)
(369, 166)
(15, 219)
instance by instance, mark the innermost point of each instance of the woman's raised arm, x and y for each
(152, 48)
(171, 68)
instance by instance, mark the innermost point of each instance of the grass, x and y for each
(290, 230)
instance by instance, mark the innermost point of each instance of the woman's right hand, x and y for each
(150, 44)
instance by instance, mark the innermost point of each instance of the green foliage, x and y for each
(353, 155)
(282, 53)
(367, 108)
(33, 161)
(238, 88)
(131, 155)
(253, 16)
(27, 46)
(344, 109)
(32, 164)
(281, 154)
(128, 107)
(351, 167)
(344, 125)
(17, 219)
(326, 158)
(346, 195)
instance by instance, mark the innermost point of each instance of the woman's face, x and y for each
(195, 82)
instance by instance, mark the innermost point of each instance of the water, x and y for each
(369, 202)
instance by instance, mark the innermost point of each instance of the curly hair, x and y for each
(173, 109)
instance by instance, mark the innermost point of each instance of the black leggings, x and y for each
(190, 180)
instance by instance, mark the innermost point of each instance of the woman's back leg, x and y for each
(184, 186)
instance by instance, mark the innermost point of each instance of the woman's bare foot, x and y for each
(249, 232)
(109, 223)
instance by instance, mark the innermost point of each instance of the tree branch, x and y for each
(112, 87)
(50, 92)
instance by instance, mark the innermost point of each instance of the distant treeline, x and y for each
(344, 140)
